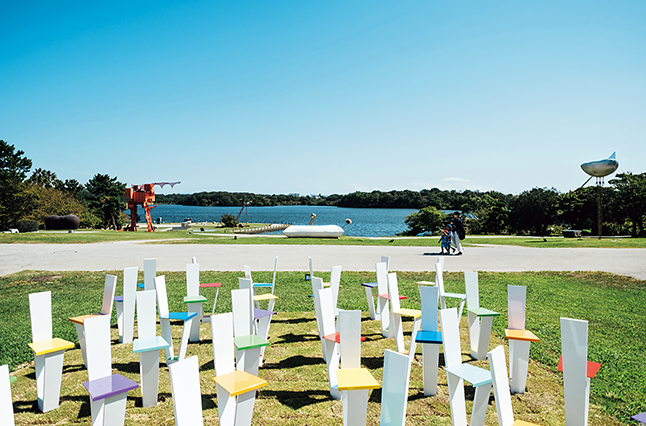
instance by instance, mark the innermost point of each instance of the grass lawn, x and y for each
(297, 393)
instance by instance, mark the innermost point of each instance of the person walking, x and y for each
(458, 231)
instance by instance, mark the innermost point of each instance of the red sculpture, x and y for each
(143, 195)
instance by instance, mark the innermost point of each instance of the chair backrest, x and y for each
(350, 338)
(439, 278)
(185, 388)
(323, 299)
(317, 285)
(146, 314)
(40, 312)
(150, 270)
(500, 382)
(108, 294)
(273, 280)
(311, 267)
(335, 282)
(393, 291)
(382, 277)
(192, 279)
(440, 260)
(516, 306)
(471, 289)
(162, 296)
(247, 283)
(247, 271)
(429, 296)
(394, 391)
(223, 348)
(242, 312)
(450, 337)
(97, 343)
(6, 406)
(574, 348)
(386, 260)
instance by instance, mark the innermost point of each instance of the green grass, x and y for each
(297, 393)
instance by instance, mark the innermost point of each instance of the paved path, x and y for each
(173, 257)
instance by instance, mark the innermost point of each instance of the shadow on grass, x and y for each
(294, 361)
(293, 320)
(297, 399)
(161, 397)
(294, 338)
(131, 367)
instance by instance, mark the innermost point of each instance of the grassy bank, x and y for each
(297, 393)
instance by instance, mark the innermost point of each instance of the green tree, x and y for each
(631, 199)
(13, 171)
(534, 210)
(107, 200)
(426, 220)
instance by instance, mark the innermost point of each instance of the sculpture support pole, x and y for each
(599, 206)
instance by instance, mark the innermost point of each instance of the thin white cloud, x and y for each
(456, 179)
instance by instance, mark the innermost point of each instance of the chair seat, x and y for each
(12, 379)
(590, 372)
(181, 316)
(249, 342)
(140, 285)
(472, 374)
(335, 337)
(118, 299)
(194, 299)
(431, 283)
(261, 313)
(239, 382)
(522, 423)
(210, 285)
(639, 417)
(521, 335)
(50, 346)
(262, 285)
(150, 344)
(482, 312)
(405, 312)
(429, 337)
(79, 319)
(370, 285)
(266, 296)
(106, 387)
(455, 295)
(355, 379)
(387, 296)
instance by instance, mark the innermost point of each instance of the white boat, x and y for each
(313, 231)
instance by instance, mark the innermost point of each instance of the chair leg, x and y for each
(119, 308)
(355, 407)
(371, 303)
(186, 331)
(149, 373)
(456, 399)
(195, 328)
(518, 364)
(397, 331)
(169, 352)
(431, 361)
(49, 371)
(417, 322)
(480, 401)
(244, 408)
(80, 333)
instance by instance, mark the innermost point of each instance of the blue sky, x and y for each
(325, 96)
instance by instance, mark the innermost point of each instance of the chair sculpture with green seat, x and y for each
(519, 338)
(185, 388)
(193, 299)
(148, 346)
(457, 372)
(108, 392)
(501, 392)
(439, 283)
(125, 305)
(165, 318)
(480, 319)
(261, 317)
(430, 338)
(248, 344)
(6, 400)
(396, 314)
(370, 297)
(48, 352)
(236, 389)
(106, 309)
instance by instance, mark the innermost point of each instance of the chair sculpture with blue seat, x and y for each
(165, 318)
(125, 305)
(501, 392)
(261, 317)
(457, 372)
(48, 352)
(248, 344)
(369, 287)
(108, 392)
(430, 338)
(185, 389)
(148, 346)
(236, 388)
(106, 309)
(439, 283)
(6, 401)
(193, 299)
(396, 314)
(519, 338)
(480, 319)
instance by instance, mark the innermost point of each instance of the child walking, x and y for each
(445, 240)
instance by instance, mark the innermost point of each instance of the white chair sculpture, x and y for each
(500, 383)
(396, 314)
(193, 299)
(383, 298)
(185, 388)
(262, 317)
(519, 338)
(317, 284)
(354, 382)
(480, 319)
(325, 284)
(248, 344)
(108, 392)
(270, 285)
(439, 283)
(165, 318)
(394, 392)
(330, 339)
(430, 338)
(457, 373)
(148, 346)
(106, 309)
(125, 305)
(6, 401)
(577, 370)
(48, 351)
(236, 389)
(370, 297)
(207, 317)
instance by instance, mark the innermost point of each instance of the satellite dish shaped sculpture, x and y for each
(600, 169)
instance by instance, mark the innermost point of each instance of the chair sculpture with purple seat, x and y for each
(106, 309)
(108, 392)
(519, 338)
(480, 319)
(430, 338)
(48, 352)
(193, 299)
(370, 297)
(125, 305)
(641, 418)
(6, 404)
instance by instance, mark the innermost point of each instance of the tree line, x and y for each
(540, 211)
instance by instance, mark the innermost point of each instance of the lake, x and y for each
(365, 222)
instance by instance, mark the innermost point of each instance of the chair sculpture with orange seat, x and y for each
(519, 338)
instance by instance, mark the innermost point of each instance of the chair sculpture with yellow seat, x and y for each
(396, 314)
(519, 338)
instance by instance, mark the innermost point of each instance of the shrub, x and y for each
(228, 220)
(28, 226)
